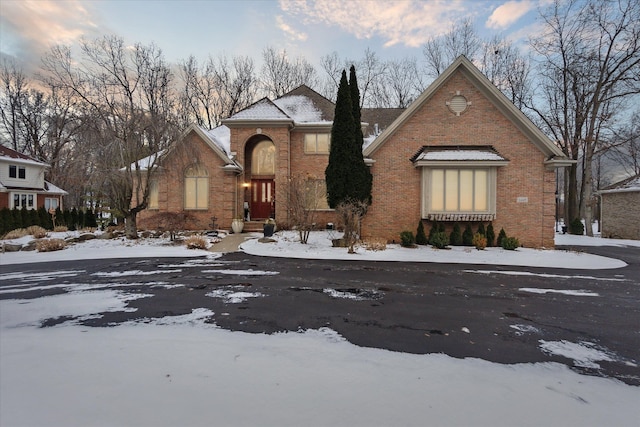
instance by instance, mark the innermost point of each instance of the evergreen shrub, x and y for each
(491, 235)
(501, 236)
(439, 240)
(576, 227)
(510, 243)
(421, 237)
(467, 236)
(479, 241)
(456, 236)
(407, 239)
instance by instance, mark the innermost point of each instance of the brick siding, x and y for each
(620, 215)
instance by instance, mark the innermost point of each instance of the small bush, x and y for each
(456, 236)
(491, 235)
(479, 241)
(467, 236)
(407, 239)
(421, 237)
(501, 236)
(50, 245)
(510, 243)
(196, 242)
(375, 244)
(576, 227)
(439, 240)
(16, 234)
(434, 229)
(60, 228)
(37, 231)
(481, 229)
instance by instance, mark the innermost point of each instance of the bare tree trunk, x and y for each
(130, 225)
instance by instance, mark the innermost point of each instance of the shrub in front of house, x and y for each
(467, 236)
(195, 242)
(455, 239)
(491, 235)
(481, 229)
(576, 227)
(37, 232)
(50, 245)
(510, 243)
(433, 230)
(501, 236)
(16, 234)
(407, 239)
(439, 240)
(375, 244)
(479, 241)
(421, 237)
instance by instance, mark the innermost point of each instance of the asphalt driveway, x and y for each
(500, 314)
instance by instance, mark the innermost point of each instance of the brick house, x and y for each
(619, 209)
(22, 183)
(460, 153)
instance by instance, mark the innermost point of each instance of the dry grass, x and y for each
(16, 234)
(60, 228)
(196, 242)
(50, 245)
(37, 231)
(374, 244)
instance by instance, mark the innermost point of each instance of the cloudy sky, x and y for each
(391, 28)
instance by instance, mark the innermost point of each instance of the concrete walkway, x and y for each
(232, 242)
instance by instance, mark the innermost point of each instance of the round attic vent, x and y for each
(458, 104)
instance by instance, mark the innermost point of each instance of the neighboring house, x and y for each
(460, 153)
(22, 183)
(620, 204)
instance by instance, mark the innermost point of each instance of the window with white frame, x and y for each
(317, 143)
(316, 194)
(51, 203)
(196, 188)
(23, 200)
(459, 190)
(449, 193)
(17, 172)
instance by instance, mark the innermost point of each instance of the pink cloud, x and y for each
(508, 13)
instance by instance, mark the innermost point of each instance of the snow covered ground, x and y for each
(183, 371)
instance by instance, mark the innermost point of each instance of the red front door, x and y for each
(262, 198)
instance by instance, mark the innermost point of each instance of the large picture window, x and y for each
(196, 188)
(451, 193)
(316, 143)
(459, 190)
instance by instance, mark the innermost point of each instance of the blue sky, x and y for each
(392, 29)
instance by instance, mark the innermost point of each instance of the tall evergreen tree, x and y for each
(362, 178)
(337, 173)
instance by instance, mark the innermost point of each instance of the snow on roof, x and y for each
(151, 160)
(458, 154)
(53, 189)
(300, 108)
(221, 136)
(261, 110)
(628, 185)
(13, 156)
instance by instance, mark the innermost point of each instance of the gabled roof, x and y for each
(630, 184)
(262, 110)
(300, 106)
(8, 154)
(554, 155)
(219, 141)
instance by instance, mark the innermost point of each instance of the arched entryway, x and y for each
(260, 171)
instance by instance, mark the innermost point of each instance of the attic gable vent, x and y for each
(458, 104)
